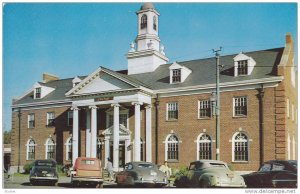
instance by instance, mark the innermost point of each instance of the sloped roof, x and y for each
(203, 72)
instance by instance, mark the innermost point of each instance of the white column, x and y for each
(148, 134)
(75, 134)
(116, 137)
(106, 150)
(137, 131)
(94, 131)
(127, 151)
(88, 134)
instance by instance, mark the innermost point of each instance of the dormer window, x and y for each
(154, 23)
(38, 92)
(243, 67)
(176, 77)
(143, 21)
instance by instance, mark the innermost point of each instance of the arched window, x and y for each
(69, 149)
(172, 144)
(30, 147)
(143, 21)
(154, 22)
(240, 147)
(50, 148)
(204, 147)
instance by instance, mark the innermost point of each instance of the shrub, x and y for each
(27, 167)
(60, 168)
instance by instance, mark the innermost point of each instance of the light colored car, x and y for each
(210, 173)
(141, 173)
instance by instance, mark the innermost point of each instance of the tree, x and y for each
(7, 136)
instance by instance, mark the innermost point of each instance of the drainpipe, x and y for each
(156, 103)
(261, 123)
(19, 146)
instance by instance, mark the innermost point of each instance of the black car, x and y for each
(43, 171)
(274, 174)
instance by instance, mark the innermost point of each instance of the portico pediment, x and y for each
(123, 131)
(101, 81)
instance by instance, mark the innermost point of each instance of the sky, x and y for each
(70, 39)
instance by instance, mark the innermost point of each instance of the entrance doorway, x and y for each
(121, 153)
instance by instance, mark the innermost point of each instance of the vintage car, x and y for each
(141, 174)
(43, 171)
(209, 173)
(87, 171)
(274, 174)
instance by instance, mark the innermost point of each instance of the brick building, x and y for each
(159, 110)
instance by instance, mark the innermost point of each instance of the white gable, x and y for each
(185, 72)
(76, 80)
(45, 90)
(243, 57)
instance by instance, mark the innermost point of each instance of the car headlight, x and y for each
(50, 174)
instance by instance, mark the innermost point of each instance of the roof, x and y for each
(203, 72)
(147, 5)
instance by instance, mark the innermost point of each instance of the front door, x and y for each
(121, 153)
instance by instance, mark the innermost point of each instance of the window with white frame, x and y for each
(30, 147)
(172, 145)
(172, 111)
(204, 147)
(50, 149)
(154, 23)
(69, 149)
(242, 67)
(38, 93)
(240, 145)
(70, 118)
(123, 119)
(240, 106)
(204, 108)
(50, 118)
(143, 21)
(176, 75)
(31, 120)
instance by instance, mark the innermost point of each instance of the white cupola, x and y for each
(146, 54)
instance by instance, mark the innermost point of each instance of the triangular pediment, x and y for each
(100, 81)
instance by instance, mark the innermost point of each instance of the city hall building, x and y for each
(158, 110)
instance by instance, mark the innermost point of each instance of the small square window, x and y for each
(204, 109)
(243, 67)
(176, 76)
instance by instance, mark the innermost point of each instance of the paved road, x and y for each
(63, 183)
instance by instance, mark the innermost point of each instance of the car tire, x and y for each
(204, 184)
(32, 182)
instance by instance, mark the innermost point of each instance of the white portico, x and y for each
(116, 94)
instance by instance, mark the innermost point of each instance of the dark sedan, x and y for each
(274, 174)
(141, 174)
(43, 171)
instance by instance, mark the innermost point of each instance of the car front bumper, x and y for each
(54, 179)
(228, 185)
(151, 182)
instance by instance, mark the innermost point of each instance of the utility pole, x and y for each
(217, 108)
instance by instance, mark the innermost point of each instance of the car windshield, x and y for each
(87, 162)
(145, 166)
(217, 165)
(45, 163)
(293, 162)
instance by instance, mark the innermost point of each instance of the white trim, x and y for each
(48, 117)
(233, 100)
(28, 120)
(67, 144)
(198, 142)
(27, 148)
(233, 142)
(288, 147)
(111, 113)
(166, 145)
(34, 104)
(47, 143)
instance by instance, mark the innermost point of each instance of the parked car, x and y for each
(274, 174)
(43, 171)
(209, 173)
(87, 171)
(141, 173)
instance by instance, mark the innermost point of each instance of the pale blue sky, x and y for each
(75, 39)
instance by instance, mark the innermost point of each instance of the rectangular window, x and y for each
(70, 118)
(31, 122)
(37, 92)
(50, 119)
(243, 67)
(122, 119)
(176, 76)
(204, 109)
(172, 111)
(31, 152)
(240, 106)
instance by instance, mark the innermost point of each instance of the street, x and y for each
(64, 182)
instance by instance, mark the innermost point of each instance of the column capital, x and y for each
(93, 107)
(136, 103)
(148, 106)
(115, 105)
(74, 108)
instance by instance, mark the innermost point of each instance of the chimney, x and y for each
(48, 77)
(288, 38)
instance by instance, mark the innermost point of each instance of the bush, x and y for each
(60, 168)
(27, 167)
(182, 171)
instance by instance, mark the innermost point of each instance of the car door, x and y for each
(258, 179)
(191, 174)
(282, 178)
